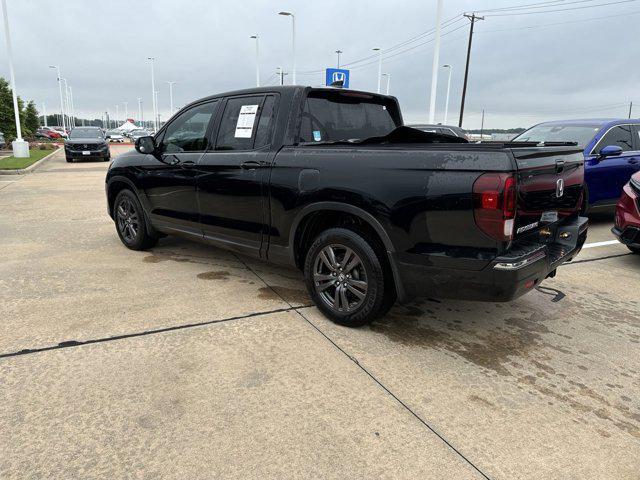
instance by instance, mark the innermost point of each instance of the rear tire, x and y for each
(131, 223)
(345, 278)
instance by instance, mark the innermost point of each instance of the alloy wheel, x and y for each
(128, 223)
(340, 278)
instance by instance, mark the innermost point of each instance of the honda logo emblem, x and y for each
(338, 77)
(559, 188)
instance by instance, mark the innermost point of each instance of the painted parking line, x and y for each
(600, 244)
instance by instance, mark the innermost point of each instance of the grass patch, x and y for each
(13, 163)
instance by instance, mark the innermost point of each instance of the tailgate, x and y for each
(550, 186)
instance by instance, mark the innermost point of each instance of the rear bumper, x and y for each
(503, 279)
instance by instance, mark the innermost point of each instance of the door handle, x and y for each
(188, 164)
(250, 165)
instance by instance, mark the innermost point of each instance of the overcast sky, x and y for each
(525, 68)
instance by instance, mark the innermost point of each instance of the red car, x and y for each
(627, 226)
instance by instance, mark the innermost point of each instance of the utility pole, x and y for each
(473, 17)
(338, 52)
(281, 73)
(630, 107)
(435, 65)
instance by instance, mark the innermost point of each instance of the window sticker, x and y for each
(246, 119)
(317, 136)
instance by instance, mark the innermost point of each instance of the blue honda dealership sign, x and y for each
(337, 75)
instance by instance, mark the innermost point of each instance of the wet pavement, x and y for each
(188, 362)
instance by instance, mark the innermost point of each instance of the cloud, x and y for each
(523, 69)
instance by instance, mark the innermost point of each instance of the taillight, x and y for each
(494, 204)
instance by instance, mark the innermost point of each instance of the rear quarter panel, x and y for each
(422, 198)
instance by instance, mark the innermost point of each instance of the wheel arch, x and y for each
(333, 214)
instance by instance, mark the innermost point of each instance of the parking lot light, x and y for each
(20, 147)
(446, 105)
(379, 50)
(257, 39)
(57, 68)
(171, 84)
(153, 95)
(293, 43)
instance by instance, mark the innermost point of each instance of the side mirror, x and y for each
(146, 145)
(610, 151)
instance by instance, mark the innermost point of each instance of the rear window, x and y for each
(334, 116)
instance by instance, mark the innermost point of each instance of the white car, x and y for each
(114, 137)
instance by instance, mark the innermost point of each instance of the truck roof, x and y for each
(284, 89)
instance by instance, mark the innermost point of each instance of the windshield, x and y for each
(582, 134)
(85, 133)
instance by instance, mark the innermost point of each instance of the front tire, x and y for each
(635, 250)
(69, 160)
(345, 278)
(131, 222)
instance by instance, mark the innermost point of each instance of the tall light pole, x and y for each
(257, 39)
(140, 111)
(436, 63)
(153, 95)
(446, 105)
(338, 52)
(379, 50)
(44, 114)
(126, 111)
(117, 114)
(20, 147)
(388, 75)
(73, 109)
(64, 126)
(171, 84)
(66, 101)
(293, 43)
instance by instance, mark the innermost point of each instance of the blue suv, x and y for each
(611, 153)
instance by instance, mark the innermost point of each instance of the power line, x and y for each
(525, 27)
(560, 9)
(532, 6)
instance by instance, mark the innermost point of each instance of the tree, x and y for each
(30, 118)
(7, 122)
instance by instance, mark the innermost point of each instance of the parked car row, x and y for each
(117, 136)
(51, 133)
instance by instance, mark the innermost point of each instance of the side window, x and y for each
(188, 131)
(266, 122)
(620, 136)
(238, 123)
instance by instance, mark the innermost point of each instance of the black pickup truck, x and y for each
(331, 182)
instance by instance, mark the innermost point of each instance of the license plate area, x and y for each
(86, 152)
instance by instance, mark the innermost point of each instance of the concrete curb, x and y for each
(30, 168)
